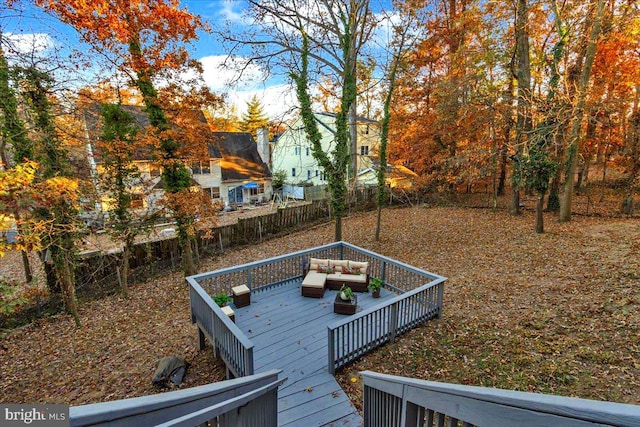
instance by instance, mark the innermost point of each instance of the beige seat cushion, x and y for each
(228, 311)
(363, 266)
(315, 262)
(240, 290)
(314, 280)
(338, 263)
(353, 278)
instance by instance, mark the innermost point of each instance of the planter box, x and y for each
(345, 307)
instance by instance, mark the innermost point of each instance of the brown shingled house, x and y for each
(234, 172)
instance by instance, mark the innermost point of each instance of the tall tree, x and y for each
(335, 166)
(60, 243)
(578, 114)
(147, 37)
(14, 136)
(327, 24)
(118, 179)
(523, 76)
(254, 118)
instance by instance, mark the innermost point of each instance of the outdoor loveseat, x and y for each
(321, 274)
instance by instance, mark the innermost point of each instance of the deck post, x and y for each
(248, 362)
(330, 342)
(201, 342)
(216, 351)
(393, 321)
(412, 415)
(249, 270)
(440, 299)
(383, 272)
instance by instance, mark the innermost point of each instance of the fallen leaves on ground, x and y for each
(553, 313)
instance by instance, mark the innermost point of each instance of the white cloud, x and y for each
(222, 72)
(229, 13)
(28, 43)
(279, 102)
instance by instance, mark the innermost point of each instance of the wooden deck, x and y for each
(289, 332)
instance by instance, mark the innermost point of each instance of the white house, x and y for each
(292, 152)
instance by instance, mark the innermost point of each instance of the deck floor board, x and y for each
(289, 332)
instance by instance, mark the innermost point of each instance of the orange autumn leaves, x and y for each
(21, 191)
(159, 26)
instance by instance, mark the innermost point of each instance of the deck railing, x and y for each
(228, 341)
(420, 299)
(391, 401)
(249, 401)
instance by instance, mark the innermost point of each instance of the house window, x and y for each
(293, 171)
(155, 170)
(307, 151)
(364, 150)
(206, 167)
(200, 167)
(215, 192)
(308, 173)
(366, 130)
(137, 201)
(258, 190)
(316, 172)
(321, 175)
(296, 150)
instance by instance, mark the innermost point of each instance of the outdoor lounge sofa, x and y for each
(321, 274)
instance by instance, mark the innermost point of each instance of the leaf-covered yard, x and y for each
(554, 313)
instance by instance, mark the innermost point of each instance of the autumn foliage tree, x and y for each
(147, 39)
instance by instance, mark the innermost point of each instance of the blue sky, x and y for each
(34, 29)
(49, 36)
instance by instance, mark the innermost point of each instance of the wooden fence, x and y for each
(99, 271)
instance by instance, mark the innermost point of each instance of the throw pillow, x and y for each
(351, 270)
(325, 269)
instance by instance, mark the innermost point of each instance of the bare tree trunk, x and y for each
(124, 279)
(523, 74)
(378, 222)
(574, 139)
(188, 264)
(539, 211)
(65, 278)
(338, 229)
(28, 275)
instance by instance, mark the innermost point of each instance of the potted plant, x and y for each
(346, 294)
(374, 286)
(221, 299)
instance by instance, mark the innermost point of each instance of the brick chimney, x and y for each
(263, 145)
